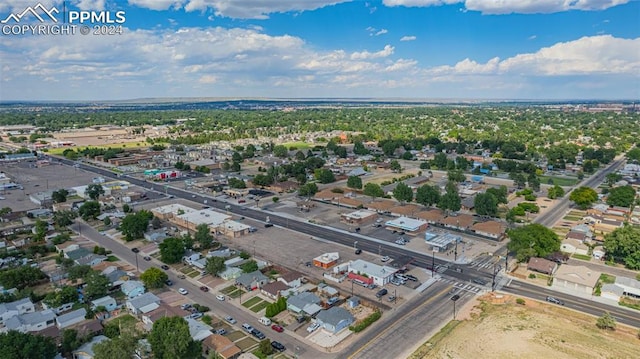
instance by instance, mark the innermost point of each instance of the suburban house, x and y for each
(157, 235)
(222, 345)
(162, 311)
(434, 216)
(578, 236)
(292, 279)
(491, 229)
(252, 281)
(542, 265)
(71, 318)
(622, 287)
(326, 260)
(382, 206)
(143, 304)
(198, 330)
(91, 259)
(86, 350)
(107, 302)
(30, 322)
(275, 289)
(379, 275)
(305, 302)
(76, 253)
(576, 278)
(132, 288)
(574, 246)
(460, 222)
(11, 309)
(115, 275)
(408, 210)
(335, 319)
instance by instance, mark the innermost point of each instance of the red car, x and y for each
(277, 328)
(204, 289)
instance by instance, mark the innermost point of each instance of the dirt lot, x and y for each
(534, 330)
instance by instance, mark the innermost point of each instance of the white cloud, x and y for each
(364, 55)
(251, 9)
(496, 7)
(532, 37)
(381, 32)
(157, 4)
(407, 38)
(402, 65)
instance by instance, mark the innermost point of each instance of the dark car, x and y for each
(168, 282)
(165, 267)
(412, 277)
(357, 229)
(358, 251)
(135, 250)
(258, 334)
(479, 281)
(554, 300)
(278, 346)
(146, 258)
(267, 225)
(204, 289)
(382, 292)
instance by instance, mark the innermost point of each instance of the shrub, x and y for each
(532, 276)
(606, 321)
(201, 308)
(366, 322)
(206, 320)
(520, 301)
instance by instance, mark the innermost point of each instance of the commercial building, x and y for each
(441, 242)
(408, 225)
(379, 275)
(326, 260)
(359, 217)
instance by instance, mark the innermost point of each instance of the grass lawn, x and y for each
(606, 278)
(251, 302)
(236, 293)
(298, 145)
(112, 258)
(228, 290)
(193, 274)
(571, 218)
(581, 256)
(58, 151)
(233, 336)
(259, 307)
(246, 343)
(560, 181)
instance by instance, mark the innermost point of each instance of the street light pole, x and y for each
(455, 252)
(433, 263)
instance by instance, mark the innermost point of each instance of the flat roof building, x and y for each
(359, 217)
(380, 275)
(408, 225)
(441, 242)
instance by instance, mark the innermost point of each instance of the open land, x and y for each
(533, 330)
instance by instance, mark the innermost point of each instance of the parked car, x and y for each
(168, 282)
(391, 298)
(185, 306)
(479, 281)
(382, 292)
(183, 291)
(196, 315)
(247, 327)
(221, 331)
(258, 334)
(182, 276)
(230, 320)
(385, 259)
(220, 297)
(372, 286)
(277, 328)
(267, 225)
(165, 267)
(135, 250)
(554, 300)
(313, 327)
(278, 346)
(146, 258)
(204, 288)
(358, 251)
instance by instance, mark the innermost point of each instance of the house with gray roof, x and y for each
(305, 302)
(77, 253)
(71, 318)
(115, 275)
(30, 322)
(253, 280)
(335, 319)
(198, 330)
(91, 259)
(108, 302)
(11, 309)
(132, 288)
(86, 350)
(143, 304)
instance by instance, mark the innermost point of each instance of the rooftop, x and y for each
(406, 223)
(371, 269)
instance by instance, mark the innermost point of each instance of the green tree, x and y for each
(634, 154)
(373, 190)
(519, 180)
(500, 193)
(606, 321)
(456, 176)
(215, 265)
(126, 208)
(21, 277)
(170, 339)
(97, 285)
(532, 240)
(153, 278)
(203, 236)
(265, 347)
(118, 347)
(236, 183)
(79, 271)
(262, 180)
(354, 182)
(403, 193)
(451, 199)
(60, 195)
(612, 178)
(64, 218)
(583, 197)
(134, 225)
(94, 191)
(89, 210)
(623, 245)
(324, 175)
(171, 250)
(428, 195)
(64, 295)
(250, 266)
(359, 148)
(17, 345)
(308, 190)
(395, 166)
(486, 204)
(534, 182)
(555, 192)
(41, 230)
(70, 341)
(439, 160)
(106, 221)
(623, 196)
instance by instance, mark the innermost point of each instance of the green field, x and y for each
(58, 151)
(298, 145)
(560, 181)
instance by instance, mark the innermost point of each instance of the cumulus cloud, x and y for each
(407, 38)
(388, 50)
(496, 7)
(249, 9)
(157, 4)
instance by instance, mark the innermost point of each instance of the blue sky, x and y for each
(428, 49)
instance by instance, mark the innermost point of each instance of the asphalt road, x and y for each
(219, 308)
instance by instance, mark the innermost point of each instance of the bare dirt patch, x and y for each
(533, 330)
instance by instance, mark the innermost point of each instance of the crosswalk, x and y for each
(462, 285)
(484, 263)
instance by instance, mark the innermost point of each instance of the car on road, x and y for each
(479, 281)
(204, 288)
(168, 282)
(401, 242)
(220, 297)
(267, 225)
(392, 298)
(554, 300)
(247, 327)
(278, 346)
(358, 251)
(312, 328)
(146, 258)
(258, 334)
(135, 250)
(193, 196)
(230, 320)
(277, 328)
(385, 259)
(183, 291)
(165, 267)
(182, 276)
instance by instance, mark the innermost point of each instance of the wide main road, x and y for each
(341, 237)
(554, 214)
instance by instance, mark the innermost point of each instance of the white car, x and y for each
(385, 259)
(220, 297)
(183, 291)
(313, 327)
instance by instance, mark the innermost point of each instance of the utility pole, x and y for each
(455, 252)
(433, 263)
